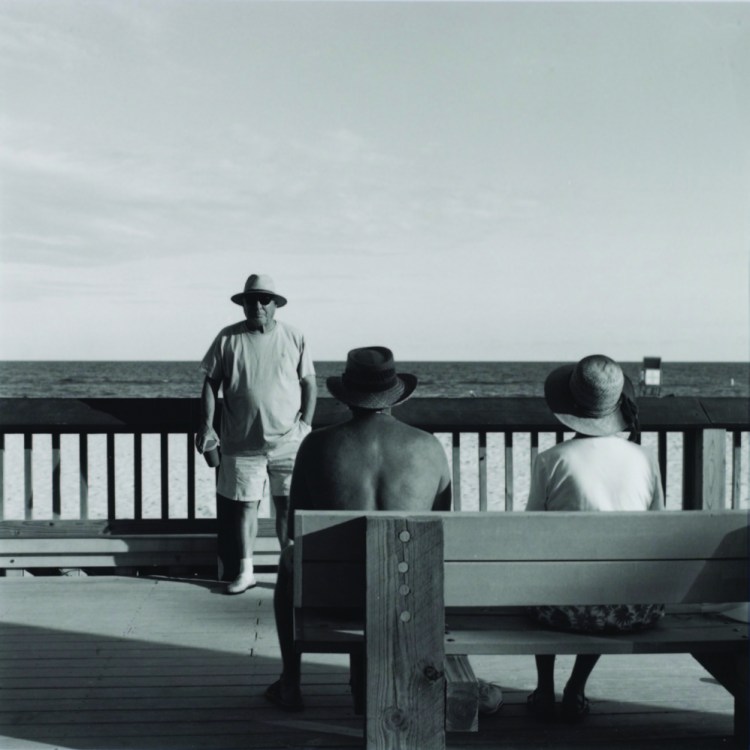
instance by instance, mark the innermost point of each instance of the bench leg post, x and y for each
(731, 670)
(404, 634)
(461, 695)
(741, 700)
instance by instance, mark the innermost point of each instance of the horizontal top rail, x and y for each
(493, 414)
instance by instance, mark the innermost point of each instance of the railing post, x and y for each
(508, 471)
(662, 456)
(2, 476)
(404, 634)
(164, 467)
(138, 475)
(736, 468)
(456, 461)
(56, 495)
(704, 467)
(482, 461)
(111, 500)
(28, 476)
(190, 475)
(83, 474)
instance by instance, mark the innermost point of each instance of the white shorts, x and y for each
(244, 478)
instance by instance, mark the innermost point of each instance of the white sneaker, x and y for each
(490, 697)
(243, 582)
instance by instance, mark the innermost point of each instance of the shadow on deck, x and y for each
(104, 663)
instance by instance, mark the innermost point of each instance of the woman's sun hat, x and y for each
(259, 283)
(370, 380)
(593, 397)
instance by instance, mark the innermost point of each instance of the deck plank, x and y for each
(105, 663)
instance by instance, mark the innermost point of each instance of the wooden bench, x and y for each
(424, 591)
(123, 545)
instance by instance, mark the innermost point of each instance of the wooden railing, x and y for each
(713, 433)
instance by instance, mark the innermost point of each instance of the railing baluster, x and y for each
(508, 471)
(456, 471)
(111, 503)
(533, 451)
(164, 475)
(662, 455)
(736, 467)
(2, 476)
(482, 470)
(559, 436)
(28, 479)
(83, 474)
(190, 475)
(56, 501)
(704, 469)
(691, 500)
(138, 475)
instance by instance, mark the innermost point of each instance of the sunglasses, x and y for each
(264, 299)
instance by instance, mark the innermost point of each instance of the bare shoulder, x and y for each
(417, 438)
(320, 440)
(415, 432)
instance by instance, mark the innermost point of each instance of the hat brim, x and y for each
(397, 394)
(563, 406)
(239, 298)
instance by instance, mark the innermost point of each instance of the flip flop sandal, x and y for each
(575, 707)
(275, 695)
(541, 705)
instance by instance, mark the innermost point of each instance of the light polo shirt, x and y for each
(260, 375)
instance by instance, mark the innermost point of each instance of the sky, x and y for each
(454, 180)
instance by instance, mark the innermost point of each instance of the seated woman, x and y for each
(597, 470)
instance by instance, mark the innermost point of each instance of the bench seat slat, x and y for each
(514, 635)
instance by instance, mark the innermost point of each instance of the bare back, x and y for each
(372, 462)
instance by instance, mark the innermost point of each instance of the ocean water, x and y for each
(184, 380)
(128, 379)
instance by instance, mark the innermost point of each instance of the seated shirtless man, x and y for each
(371, 462)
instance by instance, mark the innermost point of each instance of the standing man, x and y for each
(267, 377)
(371, 462)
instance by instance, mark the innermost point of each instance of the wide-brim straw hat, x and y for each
(370, 380)
(259, 283)
(588, 396)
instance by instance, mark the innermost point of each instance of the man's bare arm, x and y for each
(209, 394)
(443, 498)
(445, 495)
(299, 494)
(309, 396)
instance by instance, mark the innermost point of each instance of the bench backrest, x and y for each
(515, 559)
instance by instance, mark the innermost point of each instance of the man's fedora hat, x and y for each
(259, 283)
(370, 380)
(593, 397)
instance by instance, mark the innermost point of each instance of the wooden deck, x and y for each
(103, 663)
